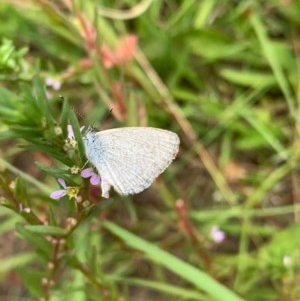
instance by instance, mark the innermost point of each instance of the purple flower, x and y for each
(89, 173)
(216, 234)
(59, 193)
(70, 191)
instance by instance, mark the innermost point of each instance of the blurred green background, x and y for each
(222, 223)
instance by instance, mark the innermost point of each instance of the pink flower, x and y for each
(89, 173)
(54, 83)
(70, 191)
(216, 234)
(122, 54)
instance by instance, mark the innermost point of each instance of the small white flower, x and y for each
(58, 130)
(287, 260)
(75, 170)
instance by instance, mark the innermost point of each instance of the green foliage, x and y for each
(223, 75)
(13, 64)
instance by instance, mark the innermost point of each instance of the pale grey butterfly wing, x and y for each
(130, 159)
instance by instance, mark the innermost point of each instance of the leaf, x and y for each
(164, 288)
(46, 230)
(77, 134)
(39, 242)
(200, 279)
(272, 56)
(31, 280)
(249, 79)
(14, 261)
(21, 190)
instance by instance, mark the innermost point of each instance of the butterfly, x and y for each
(129, 159)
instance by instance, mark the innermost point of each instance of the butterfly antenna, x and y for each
(77, 113)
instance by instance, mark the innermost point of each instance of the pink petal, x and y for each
(49, 81)
(62, 182)
(58, 194)
(95, 179)
(57, 86)
(70, 131)
(87, 173)
(126, 48)
(217, 235)
(52, 82)
(108, 57)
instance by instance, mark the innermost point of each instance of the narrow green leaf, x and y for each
(64, 117)
(33, 112)
(31, 280)
(42, 101)
(46, 230)
(14, 261)
(163, 287)
(179, 267)
(270, 53)
(20, 190)
(37, 241)
(249, 79)
(77, 133)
